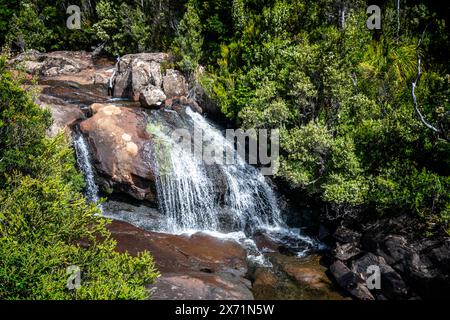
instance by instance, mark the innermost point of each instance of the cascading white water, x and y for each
(185, 194)
(84, 163)
(249, 198)
(225, 200)
(190, 193)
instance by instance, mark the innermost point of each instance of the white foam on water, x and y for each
(85, 165)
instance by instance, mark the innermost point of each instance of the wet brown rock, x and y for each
(120, 146)
(178, 104)
(64, 115)
(192, 267)
(294, 278)
(306, 271)
(200, 286)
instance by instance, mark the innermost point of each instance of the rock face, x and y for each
(64, 115)
(174, 84)
(121, 147)
(135, 72)
(54, 63)
(410, 267)
(151, 97)
(198, 267)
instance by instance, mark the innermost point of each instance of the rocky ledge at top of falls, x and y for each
(74, 87)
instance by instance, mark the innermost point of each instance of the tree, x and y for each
(189, 40)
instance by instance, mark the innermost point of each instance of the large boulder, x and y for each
(135, 72)
(174, 84)
(350, 281)
(121, 150)
(145, 73)
(152, 96)
(197, 267)
(392, 284)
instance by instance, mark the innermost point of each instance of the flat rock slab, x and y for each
(192, 267)
(201, 286)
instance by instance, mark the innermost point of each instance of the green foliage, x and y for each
(308, 148)
(403, 186)
(7, 10)
(188, 42)
(122, 26)
(46, 224)
(28, 30)
(22, 126)
(340, 94)
(108, 27)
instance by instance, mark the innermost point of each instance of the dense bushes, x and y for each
(341, 95)
(45, 223)
(118, 26)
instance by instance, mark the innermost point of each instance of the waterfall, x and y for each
(249, 197)
(199, 196)
(85, 165)
(185, 193)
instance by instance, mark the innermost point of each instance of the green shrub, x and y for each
(46, 224)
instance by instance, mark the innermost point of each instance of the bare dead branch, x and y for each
(413, 91)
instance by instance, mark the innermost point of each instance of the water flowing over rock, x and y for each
(194, 194)
(85, 163)
(124, 150)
